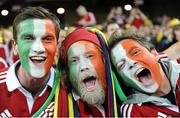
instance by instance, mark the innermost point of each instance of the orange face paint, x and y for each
(36, 46)
(138, 64)
(87, 70)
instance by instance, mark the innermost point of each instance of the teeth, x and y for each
(37, 58)
(139, 70)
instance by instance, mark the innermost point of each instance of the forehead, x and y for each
(121, 49)
(82, 47)
(29, 25)
(128, 43)
(118, 52)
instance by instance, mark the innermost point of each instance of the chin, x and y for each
(94, 97)
(37, 74)
(150, 89)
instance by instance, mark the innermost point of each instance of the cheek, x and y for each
(23, 50)
(74, 75)
(100, 69)
(73, 71)
(50, 53)
(149, 61)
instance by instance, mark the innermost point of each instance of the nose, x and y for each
(132, 65)
(38, 47)
(84, 69)
(84, 66)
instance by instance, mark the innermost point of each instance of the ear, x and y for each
(14, 45)
(155, 53)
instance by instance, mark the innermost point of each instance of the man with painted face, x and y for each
(86, 76)
(153, 78)
(26, 85)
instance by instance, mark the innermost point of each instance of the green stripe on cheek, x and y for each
(24, 46)
(73, 69)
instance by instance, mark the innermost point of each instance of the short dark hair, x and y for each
(35, 12)
(117, 37)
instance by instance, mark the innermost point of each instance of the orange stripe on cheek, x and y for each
(145, 58)
(51, 46)
(100, 68)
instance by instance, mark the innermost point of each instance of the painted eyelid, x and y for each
(73, 60)
(91, 56)
(121, 64)
(134, 51)
(28, 37)
(48, 38)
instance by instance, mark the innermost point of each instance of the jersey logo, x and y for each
(5, 114)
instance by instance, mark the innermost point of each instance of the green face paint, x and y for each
(24, 46)
(36, 46)
(128, 59)
(86, 71)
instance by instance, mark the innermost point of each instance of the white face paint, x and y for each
(131, 68)
(37, 50)
(36, 42)
(82, 64)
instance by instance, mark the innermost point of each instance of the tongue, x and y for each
(90, 83)
(146, 80)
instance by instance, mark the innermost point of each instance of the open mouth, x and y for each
(37, 59)
(144, 76)
(89, 82)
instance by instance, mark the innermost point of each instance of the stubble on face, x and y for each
(89, 84)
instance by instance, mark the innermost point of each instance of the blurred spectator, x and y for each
(137, 18)
(175, 24)
(110, 27)
(87, 18)
(174, 50)
(62, 35)
(116, 14)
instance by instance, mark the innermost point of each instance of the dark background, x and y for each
(152, 8)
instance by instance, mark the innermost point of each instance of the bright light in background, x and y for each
(60, 10)
(128, 7)
(4, 12)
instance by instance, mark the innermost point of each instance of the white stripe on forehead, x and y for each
(118, 53)
(39, 27)
(39, 32)
(77, 48)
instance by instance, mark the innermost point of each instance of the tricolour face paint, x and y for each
(138, 64)
(87, 71)
(36, 46)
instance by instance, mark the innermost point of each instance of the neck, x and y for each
(31, 84)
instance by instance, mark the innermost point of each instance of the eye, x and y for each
(28, 37)
(135, 52)
(74, 60)
(90, 56)
(121, 64)
(47, 38)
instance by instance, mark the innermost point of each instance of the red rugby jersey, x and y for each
(14, 103)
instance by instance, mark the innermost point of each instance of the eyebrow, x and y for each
(131, 49)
